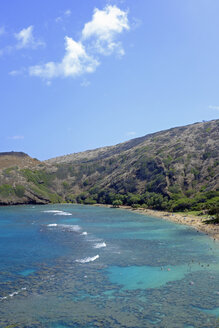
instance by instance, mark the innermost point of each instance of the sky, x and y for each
(78, 75)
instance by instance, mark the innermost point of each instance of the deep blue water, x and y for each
(82, 266)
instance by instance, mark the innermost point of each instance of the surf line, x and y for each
(88, 259)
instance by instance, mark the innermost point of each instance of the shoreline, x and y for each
(196, 222)
(181, 218)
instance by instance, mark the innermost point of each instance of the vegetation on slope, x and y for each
(174, 170)
(25, 185)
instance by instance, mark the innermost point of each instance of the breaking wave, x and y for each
(88, 259)
(100, 245)
(63, 213)
(57, 212)
(12, 294)
(65, 227)
(52, 211)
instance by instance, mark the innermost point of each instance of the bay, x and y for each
(87, 266)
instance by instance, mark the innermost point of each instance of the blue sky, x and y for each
(77, 75)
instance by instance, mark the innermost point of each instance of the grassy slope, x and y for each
(176, 169)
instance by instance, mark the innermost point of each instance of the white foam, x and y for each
(12, 294)
(84, 233)
(57, 212)
(65, 227)
(100, 245)
(52, 211)
(3, 298)
(88, 259)
(62, 213)
(70, 227)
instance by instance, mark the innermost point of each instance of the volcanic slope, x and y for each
(176, 164)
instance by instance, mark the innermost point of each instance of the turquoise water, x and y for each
(81, 266)
(27, 272)
(134, 277)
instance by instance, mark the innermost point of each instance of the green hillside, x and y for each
(175, 169)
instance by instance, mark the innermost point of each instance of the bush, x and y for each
(66, 185)
(38, 177)
(135, 206)
(81, 197)
(6, 190)
(182, 204)
(213, 210)
(117, 203)
(86, 183)
(54, 198)
(19, 191)
(70, 198)
(89, 201)
(175, 189)
(133, 199)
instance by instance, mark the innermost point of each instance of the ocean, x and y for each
(65, 266)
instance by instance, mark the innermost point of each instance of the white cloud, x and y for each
(98, 37)
(66, 13)
(106, 23)
(16, 137)
(74, 63)
(213, 107)
(16, 72)
(26, 39)
(104, 27)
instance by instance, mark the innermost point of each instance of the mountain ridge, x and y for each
(132, 142)
(177, 164)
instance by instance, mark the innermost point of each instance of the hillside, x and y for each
(10, 159)
(175, 169)
(15, 187)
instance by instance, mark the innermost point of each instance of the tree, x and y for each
(117, 203)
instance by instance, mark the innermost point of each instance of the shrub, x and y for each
(133, 199)
(86, 183)
(182, 204)
(135, 206)
(38, 177)
(196, 172)
(175, 189)
(89, 201)
(70, 198)
(6, 190)
(19, 191)
(66, 185)
(117, 203)
(54, 198)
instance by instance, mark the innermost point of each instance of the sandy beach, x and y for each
(182, 218)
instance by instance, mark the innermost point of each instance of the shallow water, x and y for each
(82, 266)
